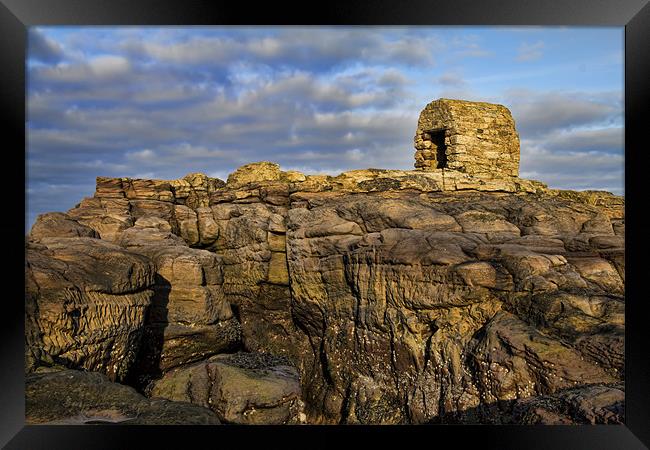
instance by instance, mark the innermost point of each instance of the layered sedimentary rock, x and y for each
(398, 301)
(189, 318)
(59, 225)
(85, 304)
(421, 305)
(587, 404)
(454, 293)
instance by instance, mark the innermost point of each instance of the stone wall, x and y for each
(471, 137)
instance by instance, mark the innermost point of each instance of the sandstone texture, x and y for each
(470, 137)
(595, 404)
(59, 225)
(71, 397)
(420, 306)
(85, 304)
(189, 318)
(242, 388)
(461, 294)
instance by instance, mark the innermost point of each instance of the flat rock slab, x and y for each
(71, 397)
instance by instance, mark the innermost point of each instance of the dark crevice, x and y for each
(147, 366)
(438, 140)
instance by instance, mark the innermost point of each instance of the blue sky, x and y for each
(161, 102)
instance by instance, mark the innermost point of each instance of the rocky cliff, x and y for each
(374, 296)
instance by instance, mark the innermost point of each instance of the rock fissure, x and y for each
(374, 296)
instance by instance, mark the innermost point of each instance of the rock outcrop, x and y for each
(242, 388)
(375, 296)
(85, 304)
(417, 306)
(189, 318)
(71, 397)
(59, 225)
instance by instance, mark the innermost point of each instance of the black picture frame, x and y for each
(17, 15)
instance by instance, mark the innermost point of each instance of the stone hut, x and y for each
(472, 137)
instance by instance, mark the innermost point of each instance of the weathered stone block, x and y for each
(484, 132)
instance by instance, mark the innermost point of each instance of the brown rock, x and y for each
(187, 224)
(399, 296)
(243, 388)
(59, 225)
(189, 318)
(471, 137)
(138, 237)
(255, 172)
(511, 353)
(106, 215)
(85, 305)
(485, 222)
(71, 397)
(153, 222)
(596, 404)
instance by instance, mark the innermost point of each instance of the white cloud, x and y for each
(145, 155)
(43, 49)
(574, 170)
(469, 46)
(585, 140)
(541, 112)
(109, 66)
(453, 79)
(145, 175)
(105, 67)
(194, 51)
(530, 52)
(355, 154)
(314, 101)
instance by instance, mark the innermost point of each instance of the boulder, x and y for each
(242, 388)
(71, 397)
(254, 173)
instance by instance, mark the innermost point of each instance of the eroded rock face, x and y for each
(588, 404)
(255, 172)
(59, 225)
(593, 404)
(189, 318)
(421, 306)
(398, 296)
(71, 397)
(85, 305)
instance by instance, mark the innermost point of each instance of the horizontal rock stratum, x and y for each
(374, 296)
(397, 298)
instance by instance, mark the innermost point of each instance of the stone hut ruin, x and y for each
(472, 137)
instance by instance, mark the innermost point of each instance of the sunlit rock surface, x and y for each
(392, 296)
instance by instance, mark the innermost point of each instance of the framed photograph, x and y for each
(396, 221)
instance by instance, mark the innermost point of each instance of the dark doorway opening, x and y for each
(438, 140)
